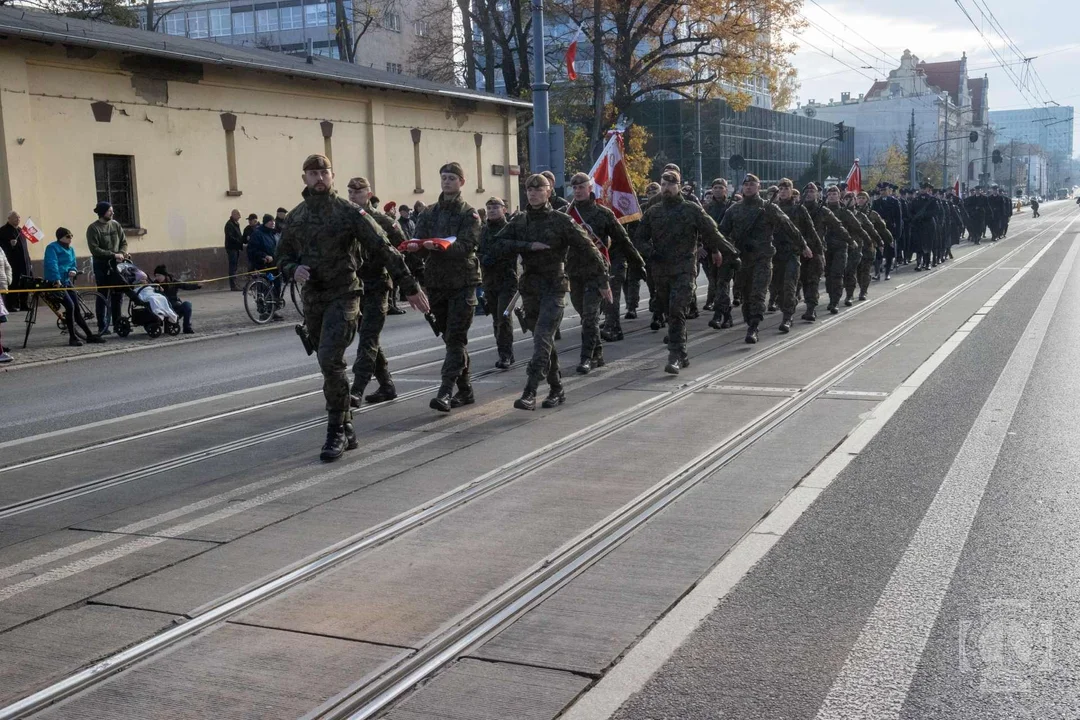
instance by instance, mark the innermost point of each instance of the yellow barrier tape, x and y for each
(83, 288)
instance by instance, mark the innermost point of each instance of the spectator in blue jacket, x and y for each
(60, 271)
(261, 249)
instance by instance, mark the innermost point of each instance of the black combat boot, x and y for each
(810, 315)
(504, 362)
(464, 396)
(351, 443)
(630, 314)
(584, 366)
(785, 324)
(862, 296)
(692, 314)
(832, 308)
(656, 323)
(672, 366)
(558, 334)
(709, 305)
(441, 402)
(715, 322)
(355, 394)
(772, 307)
(684, 361)
(751, 333)
(727, 321)
(335, 443)
(385, 393)
(555, 397)
(527, 401)
(847, 298)
(598, 359)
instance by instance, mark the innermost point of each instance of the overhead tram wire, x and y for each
(879, 49)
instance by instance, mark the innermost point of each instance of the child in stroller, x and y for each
(148, 307)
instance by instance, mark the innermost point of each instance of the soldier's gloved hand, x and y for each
(606, 294)
(807, 253)
(419, 302)
(302, 273)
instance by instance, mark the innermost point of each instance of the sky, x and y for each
(938, 30)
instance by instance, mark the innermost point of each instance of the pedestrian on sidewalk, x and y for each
(18, 256)
(261, 249)
(171, 289)
(5, 281)
(60, 271)
(234, 243)
(252, 226)
(108, 246)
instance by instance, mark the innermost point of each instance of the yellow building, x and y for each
(177, 132)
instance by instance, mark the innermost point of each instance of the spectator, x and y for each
(60, 271)
(390, 209)
(413, 261)
(260, 250)
(418, 207)
(18, 257)
(171, 288)
(405, 220)
(5, 280)
(234, 243)
(253, 223)
(279, 221)
(108, 246)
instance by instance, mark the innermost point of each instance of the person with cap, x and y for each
(1034, 208)
(234, 244)
(669, 236)
(878, 231)
(975, 206)
(108, 245)
(835, 241)
(635, 277)
(60, 272)
(788, 265)
(18, 256)
(923, 226)
(374, 307)
(543, 237)
(557, 201)
(610, 237)
(451, 276)
(888, 209)
(280, 220)
(500, 277)
(840, 202)
(249, 230)
(719, 288)
(170, 288)
(260, 251)
(324, 240)
(752, 226)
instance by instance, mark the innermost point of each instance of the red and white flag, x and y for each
(571, 54)
(575, 215)
(956, 187)
(854, 178)
(611, 181)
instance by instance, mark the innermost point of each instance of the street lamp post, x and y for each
(541, 151)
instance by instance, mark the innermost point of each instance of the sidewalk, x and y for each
(215, 313)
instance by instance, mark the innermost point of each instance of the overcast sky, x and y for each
(937, 30)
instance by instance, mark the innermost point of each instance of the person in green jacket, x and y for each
(108, 245)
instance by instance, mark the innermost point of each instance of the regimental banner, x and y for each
(611, 181)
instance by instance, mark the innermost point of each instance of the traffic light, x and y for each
(840, 131)
(996, 157)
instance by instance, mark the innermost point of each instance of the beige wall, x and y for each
(179, 148)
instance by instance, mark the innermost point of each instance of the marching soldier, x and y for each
(837, 242)
(877, 230)
(500, 275)
(787, 263)
(923, 226)
(809, 271)
(542, 237)
(858, 240)
(321, 247)
(889, 209)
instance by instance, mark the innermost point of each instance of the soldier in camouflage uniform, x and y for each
(669, 236)
(322, 245)
(370, 359)
(881, 233)
(542, 236)
(869, 248)
(451, 277)
(607, 232)
(837, 241)
(808, 259)
(752, 225)
(859, 239)
(787, 263)
(500, 281)
(718, 297)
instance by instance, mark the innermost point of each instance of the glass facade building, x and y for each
(774, 144)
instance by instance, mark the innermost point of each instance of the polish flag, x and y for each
(571, 53)
(854, 178)
(956, 187)
(611, 181)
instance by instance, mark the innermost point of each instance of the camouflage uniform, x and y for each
(543, 283)
(869, 251)
(327, 233)
(837, 243)
(809, 269)
(718, 295)
(450, 278)
(885, 241)
(752, 224)
(669, 236)
(500, 283)
(787, 263)
(859, 238)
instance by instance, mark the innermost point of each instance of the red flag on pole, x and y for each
(956, 187)
(611, 181)
(571, 54)
(854, 178)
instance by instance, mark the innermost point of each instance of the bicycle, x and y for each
(52, 297)
(261, 301)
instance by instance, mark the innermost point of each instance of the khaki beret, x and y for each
(453, 168)
(550, 177)
(673, 166)
(751, 178)
(862, 194)
(809, 185)
(785, 182)
(671, 176)
(495, 201)
(719, 181)
(359, 183)
(537, 181)
(652, 186)
(317, 162)
(580, 179)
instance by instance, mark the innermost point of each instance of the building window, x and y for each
(292, 18)
(243, 23)
(220, 25)
(115, 178)
(174, 24)
(197, 25)
(316, 16)
(267, 20)
(393, 67)
(421, 28)
(392, 21)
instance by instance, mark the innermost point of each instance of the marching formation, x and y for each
(761, 250)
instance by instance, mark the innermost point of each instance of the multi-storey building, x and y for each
(1051, 128)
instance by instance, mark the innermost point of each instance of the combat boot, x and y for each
(751, 333)
(772, 307)
(862, 296)
(715, 322)
(584, 366)
(598, 359)
(832, 308)
(657, 322)
(630, 315)
(692, 314)
(351, 443)
(785, 324)
(355, 394)
(847, 299)
(727, 321)
(672, 367)
(504, 362)
(684, 361)
(558, 334)
(441, 402)
(385, 393)
(527, 401)
(709, 305)
(464, 396)
(555, 397)
(613, 335)
(335, 443)
(810, 315)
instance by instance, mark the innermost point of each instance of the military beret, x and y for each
(580, 179)
(773, 188)
(673, 166)
(537, 181)
(862, 194)
(389, 206)
(671, 176)
(550, 177)
(317, 162)
(495, 201)
(453, 168)
(751, 178)
(833, 189)
(785, 182)
(810, 186)
(652, 186)
(359, 183)
(719, 181)
(795, 193)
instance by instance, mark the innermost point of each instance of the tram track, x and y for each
(551, 572)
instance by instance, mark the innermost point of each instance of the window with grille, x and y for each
(391, 21)
(316, 16)
(220, 24)
(292, 18)
(267, 20)
(197, 25)
(243, 23)
(394, 67)
(174, 24)
(115, 179)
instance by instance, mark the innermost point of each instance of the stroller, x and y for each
(147, 308)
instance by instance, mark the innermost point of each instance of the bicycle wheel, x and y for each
(259, 300)
(88, 303)
(296, 290)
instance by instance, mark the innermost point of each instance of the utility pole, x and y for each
(1012, 175)
(945, 144)
(698, 153)
(541, 150)
(911, 149)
